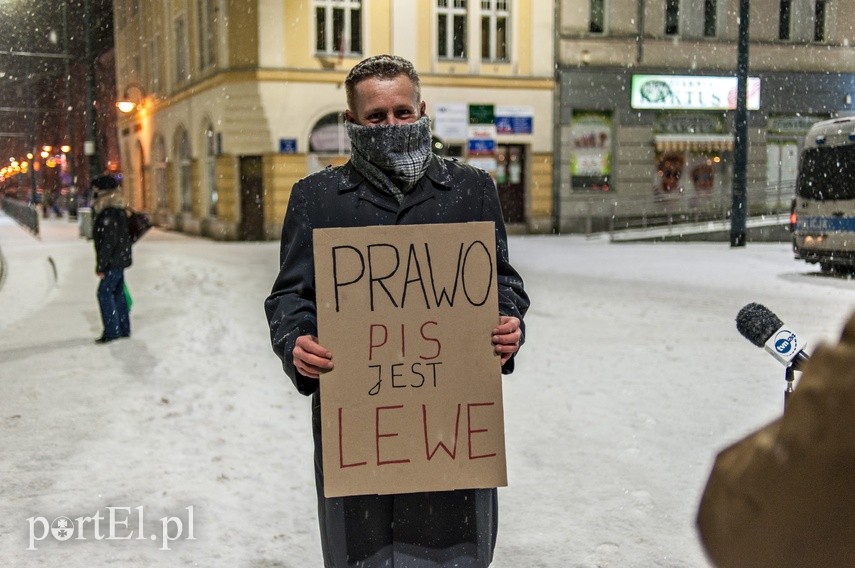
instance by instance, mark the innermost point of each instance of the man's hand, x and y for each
(99, 274)
(310, 358)
(506, 337)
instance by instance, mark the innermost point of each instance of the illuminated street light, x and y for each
(129, 103)
(126, 106)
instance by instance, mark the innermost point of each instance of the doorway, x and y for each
(251, 199)
(510, 181)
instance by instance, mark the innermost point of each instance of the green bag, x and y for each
(128, 298)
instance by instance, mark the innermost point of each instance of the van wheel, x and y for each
(826, 267)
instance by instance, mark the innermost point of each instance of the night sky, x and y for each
(36, 27)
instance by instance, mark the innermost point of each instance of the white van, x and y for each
(823, 218)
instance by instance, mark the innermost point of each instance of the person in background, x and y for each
(670, 171)
(112, 257)
(392, 178)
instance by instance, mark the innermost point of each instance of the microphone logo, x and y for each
(785, 342)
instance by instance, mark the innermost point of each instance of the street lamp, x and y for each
(130, 103)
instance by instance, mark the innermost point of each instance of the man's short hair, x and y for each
(381, 67)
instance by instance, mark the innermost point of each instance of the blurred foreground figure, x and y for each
(784, 497)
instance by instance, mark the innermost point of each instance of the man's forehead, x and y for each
(386, 93)
(398, 82)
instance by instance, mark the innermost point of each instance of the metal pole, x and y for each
(739, 209)
(72, 191)
(91, 144)
(33, 160)
(557, 148)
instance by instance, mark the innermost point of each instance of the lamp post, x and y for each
(90, 145)
(739, 208)
(72, 191)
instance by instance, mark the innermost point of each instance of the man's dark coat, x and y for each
(456, 528)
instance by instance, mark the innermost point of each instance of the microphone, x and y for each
(763, 328)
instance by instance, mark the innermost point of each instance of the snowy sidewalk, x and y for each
(633, 376)
(191, 411)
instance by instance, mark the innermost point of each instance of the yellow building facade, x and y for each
(235, 100)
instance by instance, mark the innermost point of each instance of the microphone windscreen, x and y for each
(757, 323)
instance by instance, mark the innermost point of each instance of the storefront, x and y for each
(635, 146)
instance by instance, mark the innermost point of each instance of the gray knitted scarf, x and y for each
(391, 156)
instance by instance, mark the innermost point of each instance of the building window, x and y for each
(211, 169)
(672, 17)
(180, 50)
(207, 13)
(784, 17)
(495, 20)
(451, 29)
(139, 169)
(597, 16)
(819, 20)
(156, 54)
(338, 26)
(710, 8)
(121, 13)
(185, 167)
(159, 162)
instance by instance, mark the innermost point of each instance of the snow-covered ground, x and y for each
(632, 378)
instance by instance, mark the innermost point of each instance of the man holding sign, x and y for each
(393, 179)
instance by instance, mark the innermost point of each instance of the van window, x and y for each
(827, 173)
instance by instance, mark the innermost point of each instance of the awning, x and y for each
(693, 142)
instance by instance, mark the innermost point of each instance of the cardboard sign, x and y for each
(414, 402)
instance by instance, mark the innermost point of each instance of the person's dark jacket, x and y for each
(112, 242)
(449, 192)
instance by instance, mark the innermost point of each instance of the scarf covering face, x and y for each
(391, 156)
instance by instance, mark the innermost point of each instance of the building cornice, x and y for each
(236, 76)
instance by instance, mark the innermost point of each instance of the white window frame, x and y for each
(211, 170)
(158, 159)
(156, 73)
(206, 16)
(494, 11)
(328, 7)
(449, 9)
(184, 164)
(182, 68)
